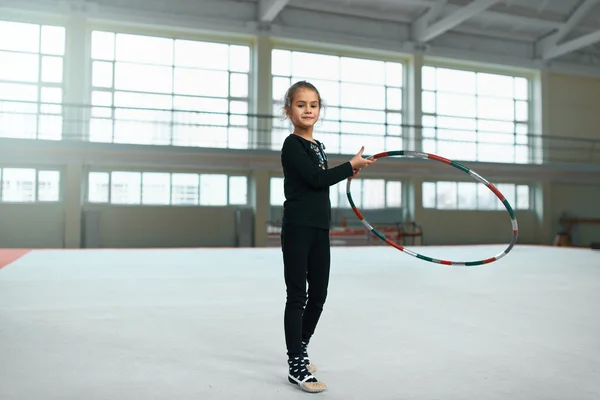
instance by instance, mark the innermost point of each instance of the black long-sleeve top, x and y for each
(307, 179)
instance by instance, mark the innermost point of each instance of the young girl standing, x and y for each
(305, 228)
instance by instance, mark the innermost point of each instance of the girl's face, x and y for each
(304, 110)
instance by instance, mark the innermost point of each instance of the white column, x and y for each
(260, 196)
(414, 110)
(540, 150)
(77, 79)
(261, 132)
(73, 184)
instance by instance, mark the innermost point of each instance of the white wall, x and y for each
(148, 226)
(574, 112)
(32, 225)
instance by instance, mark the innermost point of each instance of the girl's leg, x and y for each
(319, 260)
(296, 242)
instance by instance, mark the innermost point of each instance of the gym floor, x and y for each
(208, 324)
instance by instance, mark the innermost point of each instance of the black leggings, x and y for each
(306, 257)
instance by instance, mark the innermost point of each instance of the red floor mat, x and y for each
(8, 256)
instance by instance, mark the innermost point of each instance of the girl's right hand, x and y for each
(359, 162)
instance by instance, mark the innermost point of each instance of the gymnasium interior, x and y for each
(141, 198)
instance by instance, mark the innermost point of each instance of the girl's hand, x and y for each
(359, 162)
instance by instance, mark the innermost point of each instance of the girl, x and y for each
(305, 228)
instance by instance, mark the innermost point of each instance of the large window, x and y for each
(474, 196)
(366, 193)
(475, 116)
(163, 188)
(363, 99)
(31, 77)
(164, 91)
(29, 185)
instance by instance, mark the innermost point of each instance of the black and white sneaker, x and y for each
(299, 375)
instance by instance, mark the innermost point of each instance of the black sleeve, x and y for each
(295, 158)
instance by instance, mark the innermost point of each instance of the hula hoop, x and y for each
(466, 170)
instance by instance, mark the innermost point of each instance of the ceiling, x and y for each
(560, 35)
(550, 25)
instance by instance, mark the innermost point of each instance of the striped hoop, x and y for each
(457, 165)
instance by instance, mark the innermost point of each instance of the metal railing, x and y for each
(163, 127)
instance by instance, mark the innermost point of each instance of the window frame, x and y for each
(359, 53)
(481, 68)
(109, 201)
(173, 34)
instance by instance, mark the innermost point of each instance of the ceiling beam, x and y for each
(433, 12)
(551, 47)
(572, 45)
(551, 41)
(269, 9)
(424, 33)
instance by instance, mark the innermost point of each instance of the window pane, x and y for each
(18, 184)
(19, 92)
(362, 71)
(522, 111)
(19, 67)
(135, 77)
(125, 187)
(428, 195)
(28, 37)
(53, 40)
(238, 190)
(456, 105)
(239, 111)
(456, 81)
(238, 138)
(198, 82)
(52, 69)
(156, 188)
(373, 193)
(428, 102)
(144, 49)
(356, 193)
(213, 190)
(281, 62)
(467, 195)
(102, 74)
(239, 85)
(103, 45)
(50, 127)
(394, 99)
(48, 185)
(522, 198)
(495, 85)
(394, 74)
(280, 87)
(363, 96)
(486, 199)
(206, 55)
(239, 58)
(428, 78)
(277, 195)
(508, 190)
(185, 189)
(393, 194)
(145, 100)
(102, 99)
(446, 195)
(51, 95)
(521, 88)
(98, 187)
(494, 108)
(329, 66)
